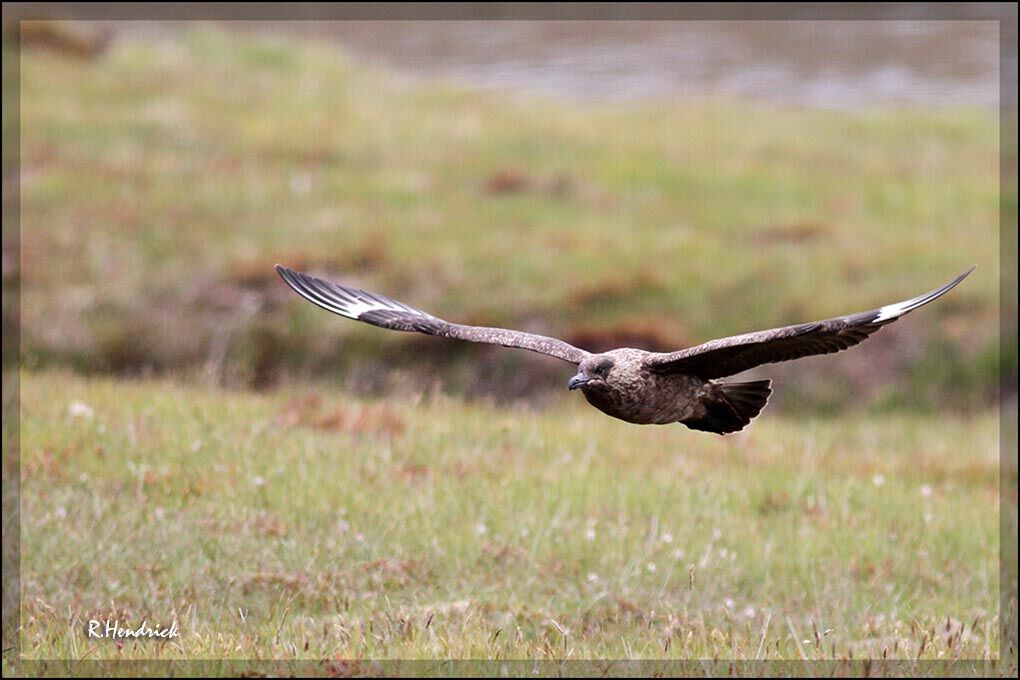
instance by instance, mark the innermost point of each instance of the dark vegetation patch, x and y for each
(510, 181)
(791, 234)
(640, 334)
(71, 39)
(616, 289)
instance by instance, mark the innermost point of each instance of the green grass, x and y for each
(162, 180)
(305, 524)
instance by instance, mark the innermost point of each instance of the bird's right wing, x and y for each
(386, 313)
(727, 356)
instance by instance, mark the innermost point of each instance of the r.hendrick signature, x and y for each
(112, 629)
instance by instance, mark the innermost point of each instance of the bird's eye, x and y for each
(602, 371)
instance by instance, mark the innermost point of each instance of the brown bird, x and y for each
(632, 384)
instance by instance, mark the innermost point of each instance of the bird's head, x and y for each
(593, 372)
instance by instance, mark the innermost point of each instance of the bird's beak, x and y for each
(579, 380)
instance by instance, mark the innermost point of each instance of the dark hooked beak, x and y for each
(579, 380)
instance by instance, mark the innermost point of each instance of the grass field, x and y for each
(305, 524)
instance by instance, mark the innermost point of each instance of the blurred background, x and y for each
(647, 184)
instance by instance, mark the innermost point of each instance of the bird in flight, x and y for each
(632, 384)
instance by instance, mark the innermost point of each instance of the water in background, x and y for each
(833, 64)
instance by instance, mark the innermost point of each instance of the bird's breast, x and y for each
(652, 399)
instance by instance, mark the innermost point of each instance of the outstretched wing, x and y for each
(727, 356)
(386, 313)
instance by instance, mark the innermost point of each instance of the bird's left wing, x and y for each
(727, 356)
(386, 313)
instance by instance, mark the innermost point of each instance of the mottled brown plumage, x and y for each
(632, 384)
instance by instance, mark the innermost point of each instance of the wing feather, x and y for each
(727, 356)
(384, 312)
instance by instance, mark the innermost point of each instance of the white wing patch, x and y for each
(355, 309)
(349, 302)
(893, 311)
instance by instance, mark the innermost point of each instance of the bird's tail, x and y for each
(731, 406)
